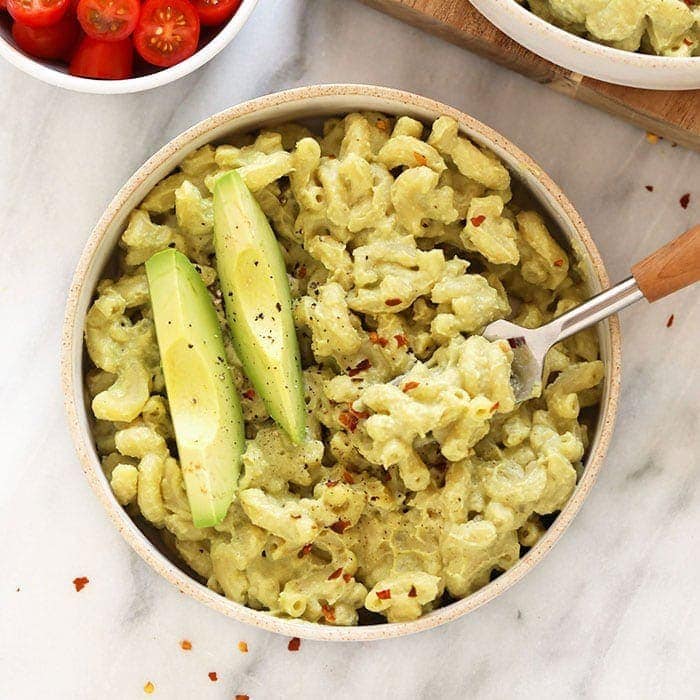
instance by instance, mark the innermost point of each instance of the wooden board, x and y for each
(673, 115)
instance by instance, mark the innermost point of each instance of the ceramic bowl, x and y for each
(300, 104)
(57, 74)
(587, 57)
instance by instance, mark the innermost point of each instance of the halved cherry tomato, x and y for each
(52, 43)
(111, 60)
(109, 20)
(37, 13)
(167, 32)
(214, 12)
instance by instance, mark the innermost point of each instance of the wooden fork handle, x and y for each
(673, 267)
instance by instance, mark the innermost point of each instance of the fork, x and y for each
(669, 269)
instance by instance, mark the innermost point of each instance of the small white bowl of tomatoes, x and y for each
(116, 46)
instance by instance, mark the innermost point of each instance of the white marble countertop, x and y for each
(613, 611)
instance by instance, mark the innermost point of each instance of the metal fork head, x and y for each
(530, 346)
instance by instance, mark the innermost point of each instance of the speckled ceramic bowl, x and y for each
(587, 57)
(305, 103)
(57, 74)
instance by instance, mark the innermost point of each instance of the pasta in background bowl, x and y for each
(568, 33)
(356, 426)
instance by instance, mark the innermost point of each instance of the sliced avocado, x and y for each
(204, 404)
(258, 302)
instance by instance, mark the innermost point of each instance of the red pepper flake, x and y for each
(243, 648)
(346, 578)
(340, 526)
(384, 595)
(686, 41)
(249, 394)
(392, 302)
(382, 125)
(294, 644)
(80, 583)
(186, 644)
(212, 676)
(360, 415)
(242, 697)
(649, 188)
(558, 263)
(408, 386)
(360, 367)
(304, 550)
(401, 340)
(348, 420)
(330, 484)
(670, 321)
(413, 592)
(420, 158)
(685, 200)
(328, 612)
(301, 272)
(348, 477)
(336, 574)
(376, 339)
(495, 406)
(478, 220)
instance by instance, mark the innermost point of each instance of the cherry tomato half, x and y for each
(167, 32)
(111, 60)
(53, 43)
(214, 12)
(109, 20)
(37, 13)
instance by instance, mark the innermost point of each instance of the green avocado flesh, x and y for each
(258, 302)
(204, 404)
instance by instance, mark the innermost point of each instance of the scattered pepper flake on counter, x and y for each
(685, 200)
(652, 138)
(212, 676)
(384, 595)
(670, 321)
(149, 688)
(649, 188)
(243, 648)
(186, 644)
(477, 220)
(242, 697)
(294, 644)
(80, 583)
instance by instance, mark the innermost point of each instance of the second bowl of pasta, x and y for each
(418, 489)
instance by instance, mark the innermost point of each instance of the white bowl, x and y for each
(55, 74)
(308, 103)
(587, 57)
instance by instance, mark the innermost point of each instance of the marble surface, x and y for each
(612, 612)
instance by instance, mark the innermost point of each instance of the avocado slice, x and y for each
(259, 303)
(204, 403)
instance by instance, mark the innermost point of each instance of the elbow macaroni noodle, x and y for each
(420, 476)
(662, 27)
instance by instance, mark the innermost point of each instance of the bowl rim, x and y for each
(655, 69)
(74, 391)
(45, 72)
